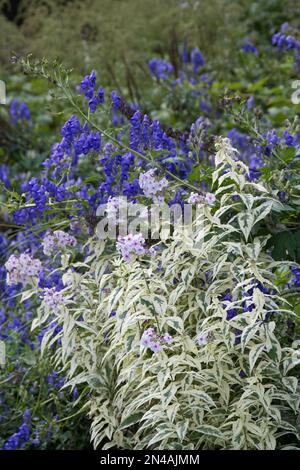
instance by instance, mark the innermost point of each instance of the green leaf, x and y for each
(286, 246)
(248, 334)
(130, 420)
(210, 431)
(254, 355)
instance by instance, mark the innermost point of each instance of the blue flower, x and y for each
(115, 100)
(197, 59)
(249, 48)
(160, 69)
(88, 85)
(19, 113)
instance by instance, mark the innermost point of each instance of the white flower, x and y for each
(202, 339)
(210, 198)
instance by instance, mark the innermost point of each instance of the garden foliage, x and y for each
(188, 341)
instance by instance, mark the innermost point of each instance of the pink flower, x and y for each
(152, 187)
(58, 241)
(130, 246)
(21, 269)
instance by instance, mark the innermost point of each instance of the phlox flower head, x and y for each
(116, 207)
(22, 269)
(53, 298)
(57, 241)
(153, 341)
(112, 207)
(152, 187)
(131, 246)
(196, 198)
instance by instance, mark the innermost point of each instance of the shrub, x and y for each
(225, 376)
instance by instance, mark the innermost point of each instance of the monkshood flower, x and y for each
(296, 276)
(4, 177)
(54, 380)
(284, 42)
(96, 100)
(288, 139)
(197, 59)
(185, 53)
(115, 100)
(57, 241)
(19, 439)
(272, 140)
(22, 269)
(150, 339)
(76, 141)
(53, 298)
(160, 69)
(250, 102)
(230, 312)
(197, 129)
(40, 191)
(287, 43)
(88, 86)
(71, 129)
(131, 246)
(249, 48)
(19, 112)
(151, 186)
(117, 118)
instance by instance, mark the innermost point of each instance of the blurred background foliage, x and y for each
(117, 37)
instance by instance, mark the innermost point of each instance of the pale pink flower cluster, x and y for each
(133, 245)
(21, 269)
(152, 187)
(196, 198)
(118, 208)
(153, 341)
(52, 297)
(114, 204)
(57, 241)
